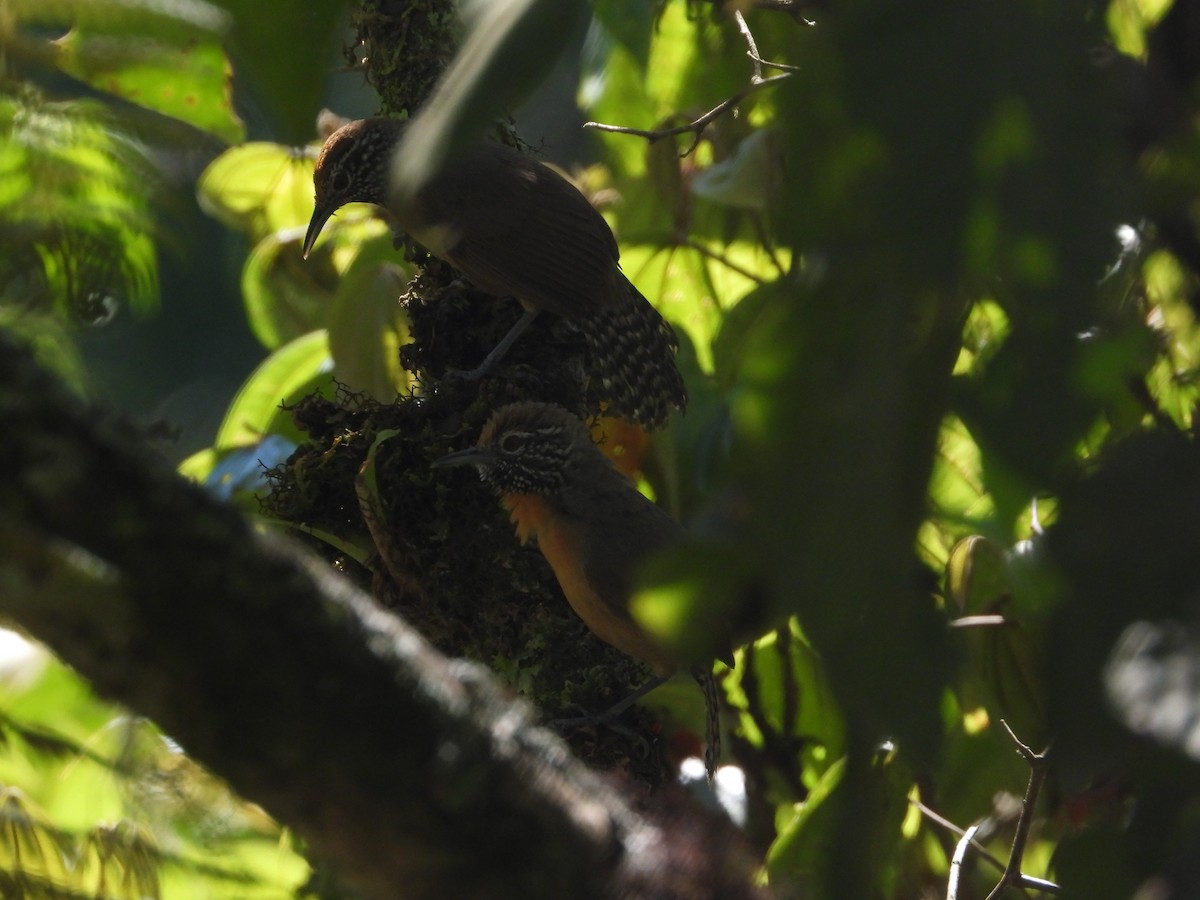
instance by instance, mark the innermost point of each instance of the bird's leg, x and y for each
(613, 711)
(497, 352)
(712, 719)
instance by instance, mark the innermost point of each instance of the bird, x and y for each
(516, 228)
(591, 524)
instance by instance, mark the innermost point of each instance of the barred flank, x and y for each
(633, 356)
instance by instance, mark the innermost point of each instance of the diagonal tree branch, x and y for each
(399, 766)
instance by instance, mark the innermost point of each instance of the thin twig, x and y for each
(782, 67)
(960, 854)
(696, 126)
(758, 61)
(753, 51)
(764, 239)
(950, 826)
(986, 621)
(1037, 773)
(713, 255)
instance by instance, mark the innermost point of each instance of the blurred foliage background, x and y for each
(937, 290)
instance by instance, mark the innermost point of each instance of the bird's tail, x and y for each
(712, 719)
(633, 356)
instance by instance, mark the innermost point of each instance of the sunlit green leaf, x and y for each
(791, 696)
(291, 371)
(188, 81)
(75, 215)
(281, 302)
(173, 20)
(366, 328)
(29, 846)
(198, 466)
(689, 599)
(260, 187)
(690, 287)
(806, 856)
(1005, 669)
(795, 856)
(1129, 20)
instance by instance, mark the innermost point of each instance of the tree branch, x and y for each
(397, 765)
(1012, 872)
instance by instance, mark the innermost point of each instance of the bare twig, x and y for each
(758, 61)
(753, 51)
(1012, 876)
(696, 126)
(764, 239)
(939, 819)
(988, 621)
(782, 67)
(725, 261)
(960, 854)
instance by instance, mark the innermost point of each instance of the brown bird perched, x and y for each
(516, 228)
(591, 524)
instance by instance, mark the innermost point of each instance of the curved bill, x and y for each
(315, 224)
(472, 456)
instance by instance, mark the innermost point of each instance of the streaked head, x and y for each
(354, 167)
(527, 448)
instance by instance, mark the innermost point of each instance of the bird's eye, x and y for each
(341, 181)
(512, 442)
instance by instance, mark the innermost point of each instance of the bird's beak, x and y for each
(472, 456)
(319, 217)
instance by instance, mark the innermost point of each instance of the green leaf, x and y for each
(688, 287)
(293, 371)
(188, 80)
(842, 839)
(168, 20)
(729, 344)
(367, 483)
(748, 179)
(804, 841)
(785, 674)
(283, 53)
(957, 493)
(29, 845)
(366, 326)
(260, 187)
(697, 64)
(199, 465)
(282, 303)
(630, 22)
(75, 213)
(1004, 665)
